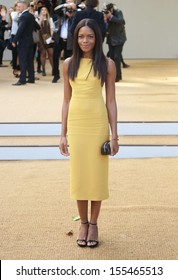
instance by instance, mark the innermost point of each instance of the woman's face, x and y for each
(86, 40)
(44, 11)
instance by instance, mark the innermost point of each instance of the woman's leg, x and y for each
(1, 54)
(38, 62)
(93, 229)
(95, 210)
(83, 209)
(50, 56)
(83, 213)
(43, 61)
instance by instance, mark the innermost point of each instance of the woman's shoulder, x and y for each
(67, 60)
(66, 63)
(111, 69)
(110, 62)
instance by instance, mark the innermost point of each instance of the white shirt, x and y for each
(52, 26)
(15, 18)
(64, 29)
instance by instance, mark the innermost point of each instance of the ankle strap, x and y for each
(84, 223)
(93, 224)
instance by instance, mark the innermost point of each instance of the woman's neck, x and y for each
(87, 55)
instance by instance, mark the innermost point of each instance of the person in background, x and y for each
(115, 12)
(36, 5)
(49, 6)
(3, 27)
(90, 12)
(14, 27)
(46, 43)
(35, 38)
(80, 5)
(62, 37)
(85, 124)
(116, 36)
(33, 4)
(24, 42)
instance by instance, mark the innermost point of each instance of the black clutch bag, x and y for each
(105, 148)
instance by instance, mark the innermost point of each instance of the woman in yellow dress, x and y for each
(86, 120)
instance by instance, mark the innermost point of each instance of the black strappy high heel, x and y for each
(94, 242)
(83, 242)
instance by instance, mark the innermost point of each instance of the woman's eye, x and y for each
(81, 37)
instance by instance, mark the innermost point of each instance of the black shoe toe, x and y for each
(31, 82)
(55, 79)
(126, 66)
(18, 84)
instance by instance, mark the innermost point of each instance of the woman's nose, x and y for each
(85, 39)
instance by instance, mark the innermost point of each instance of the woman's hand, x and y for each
(63, 146)
(114, 147)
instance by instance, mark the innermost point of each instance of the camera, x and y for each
(105, 11)
(70, 10)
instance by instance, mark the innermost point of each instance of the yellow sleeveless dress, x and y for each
(87, 130)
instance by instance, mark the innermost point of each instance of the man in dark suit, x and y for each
(25, 45)
(116, 36)
(90, 12)
(62, 36)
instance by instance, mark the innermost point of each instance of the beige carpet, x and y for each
(139, 221)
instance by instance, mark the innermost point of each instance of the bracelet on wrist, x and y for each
(115, 139)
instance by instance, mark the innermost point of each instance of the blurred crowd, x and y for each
(54, 22)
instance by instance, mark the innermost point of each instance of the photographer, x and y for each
(116, 35)
(62, 36)
(90, 12)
